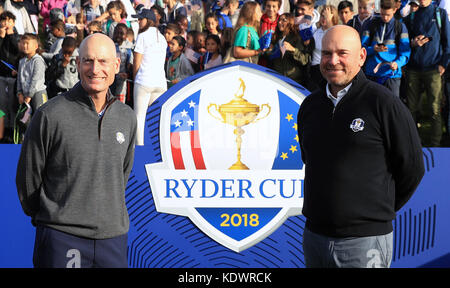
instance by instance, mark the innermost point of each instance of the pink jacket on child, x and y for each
(48, 5)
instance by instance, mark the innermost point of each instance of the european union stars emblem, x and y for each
(288, 156)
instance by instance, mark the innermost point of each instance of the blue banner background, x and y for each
(421, 228)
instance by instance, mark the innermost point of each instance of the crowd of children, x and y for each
(199, 35)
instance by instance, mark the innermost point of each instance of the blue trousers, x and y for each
(355, 252)
(56, 249)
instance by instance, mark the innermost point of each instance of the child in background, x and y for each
(228, 15)
(269, 22)
(212, 24)
(189, 52)
(117, 14)
(304, 8)
(55, 14)
(94, 27)
(172, 30)
(93, 10)
(246, 39)
(183, 23)
(62, 73)
(9, 52)
(345, 11)
(366, 9)
(190, 37)
(388, 48)
(31, 73)
(178, 66)
(213, 56)
(58, 30)
(8, 44)
(413, 6)
(124, 51)
(269, 19)
(200, 42)
(130, 36)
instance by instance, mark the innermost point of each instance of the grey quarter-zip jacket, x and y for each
(31, 75)
(74, 165)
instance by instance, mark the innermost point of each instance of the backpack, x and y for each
(109, 22)
(376, 22)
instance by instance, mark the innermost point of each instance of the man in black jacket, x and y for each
(363, 160)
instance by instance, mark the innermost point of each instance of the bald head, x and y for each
(343, 33)
(342, 55)
(97, 39)
(98, 64)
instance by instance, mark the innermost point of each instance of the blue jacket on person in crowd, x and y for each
(435, 52)
(359, 26)
(398, 52)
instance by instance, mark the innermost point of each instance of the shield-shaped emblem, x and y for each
(230, 155)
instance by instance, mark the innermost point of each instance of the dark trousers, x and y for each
(432, 83)
(56, 249)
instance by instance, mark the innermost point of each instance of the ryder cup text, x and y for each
(233, 188)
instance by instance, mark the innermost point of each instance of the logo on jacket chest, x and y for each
(120, 137)
(357, 125)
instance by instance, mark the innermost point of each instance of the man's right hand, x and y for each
(419, 41)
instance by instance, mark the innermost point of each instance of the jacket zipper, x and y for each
(334, 110)
(101, 118)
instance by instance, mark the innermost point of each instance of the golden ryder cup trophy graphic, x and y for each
(239, 112)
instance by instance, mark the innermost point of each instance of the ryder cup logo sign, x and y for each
(230, 154)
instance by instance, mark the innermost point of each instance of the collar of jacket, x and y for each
(357, 82)
(429, 7)
(79, 95)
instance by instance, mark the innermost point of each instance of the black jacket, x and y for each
(9, 52)
(294, 65)
(357, 173)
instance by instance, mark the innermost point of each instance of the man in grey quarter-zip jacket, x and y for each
(74, 165)
(363, 160)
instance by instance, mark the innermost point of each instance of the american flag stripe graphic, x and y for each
(176, 150)
(184, 138)
(197, 150)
